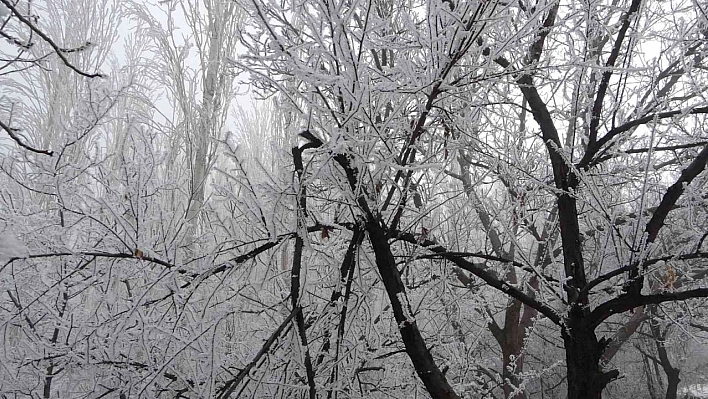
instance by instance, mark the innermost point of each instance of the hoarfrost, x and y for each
(406, 307)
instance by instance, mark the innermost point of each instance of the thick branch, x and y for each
(668, 201)
(619, 271)
(699, 326)
(536, 49)
(423, 362)
(563, 175)
(486, 275)
(493, 281)
(297, 270)
(623, 334)
(13, 135)
(642, 150)
(625, 303)
(673, 194)
(588, 159)
(232, 384)
(408, 238)
(346, 277)
(605, 82)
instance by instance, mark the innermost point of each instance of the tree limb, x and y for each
(231, 385)
(619, 271)
(625, 303)
(59, 51)
(593, 146)
(487, 276)
(589, 160)
(13, 135)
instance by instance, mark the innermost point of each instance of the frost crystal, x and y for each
(406, 307)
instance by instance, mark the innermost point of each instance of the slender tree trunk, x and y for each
(423, 362)
(654, 381)
(200, 141)
(296, 271)
(672, 373)
(511, 341)
(211, 111)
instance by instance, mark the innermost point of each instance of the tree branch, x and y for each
(514, 263)
(672, 195)
(297, 268)
(418, 352)
(12, 132)
(231, 385)
(486, 275)
(605, 82)
(619, 271)
(59, 51)
(628, 302)
(699, 326)
(589, 160)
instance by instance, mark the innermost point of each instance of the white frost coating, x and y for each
(406, 307)
(694, 391)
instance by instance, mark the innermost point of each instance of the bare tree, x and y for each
(30, 45)
(440, 197)
(459, 71)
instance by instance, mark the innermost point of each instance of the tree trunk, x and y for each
(582, 353)
(434, 380)
(672, 373)
(511, 341)
(672, 388)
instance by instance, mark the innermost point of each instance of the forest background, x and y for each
(482, 199)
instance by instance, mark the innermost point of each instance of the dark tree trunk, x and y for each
(672, 373)
(583, 351)
(672, 388)
(511, 341)
(423, 362)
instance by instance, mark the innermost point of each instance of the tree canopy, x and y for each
(444, 199)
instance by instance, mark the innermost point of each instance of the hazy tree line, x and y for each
(446, 199)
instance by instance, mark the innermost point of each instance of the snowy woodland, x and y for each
(353, 199)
